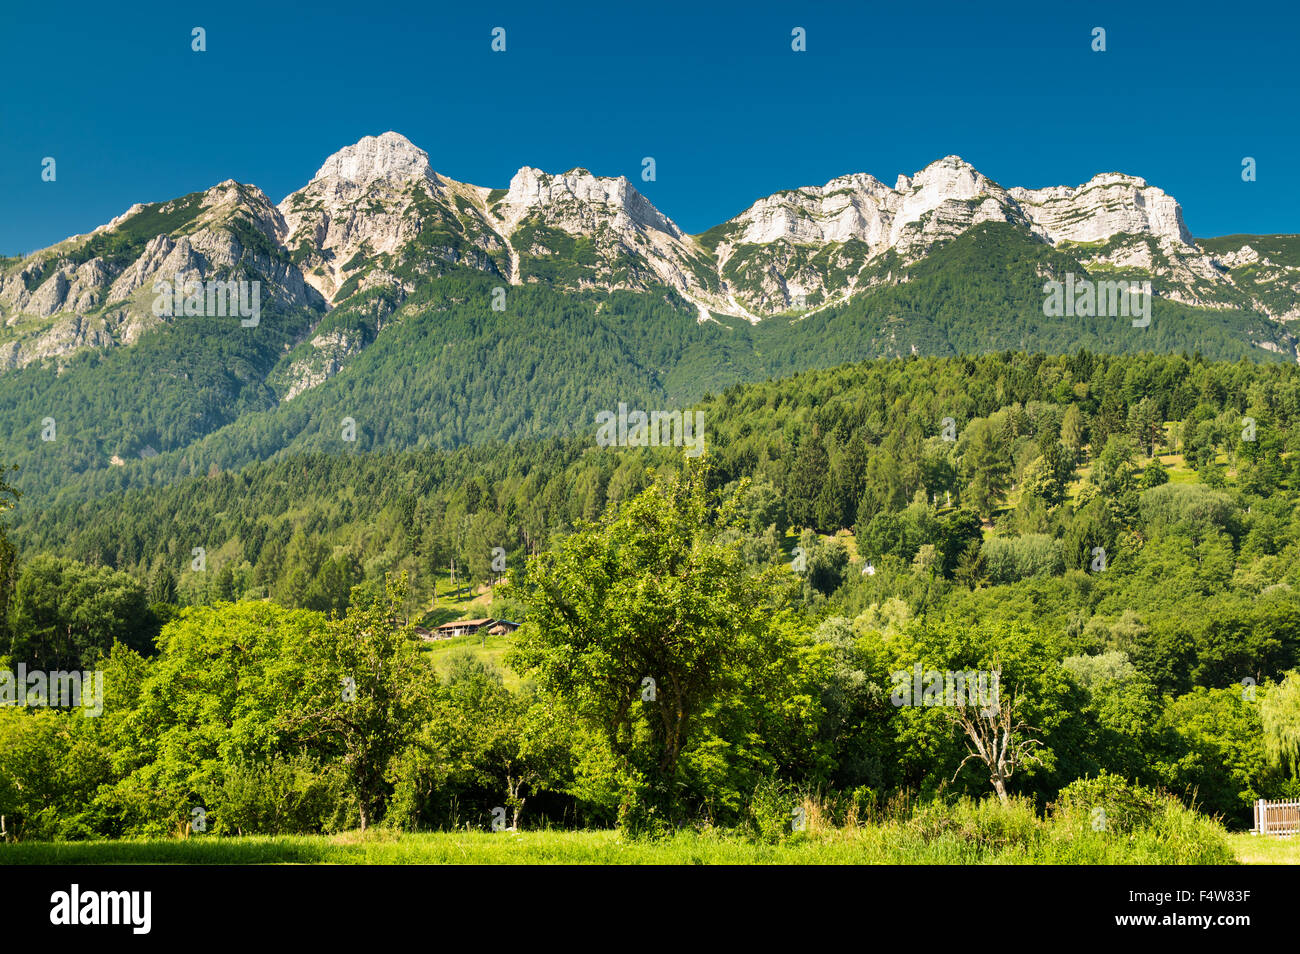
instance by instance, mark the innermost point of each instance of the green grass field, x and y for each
(488, 648)
(866, 845)
(1254, 850)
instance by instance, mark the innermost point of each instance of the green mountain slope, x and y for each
(440, 368)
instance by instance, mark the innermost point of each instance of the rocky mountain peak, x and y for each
(578, 200)
(387, 156)
(950, 172)
(361, 203)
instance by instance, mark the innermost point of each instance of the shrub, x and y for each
(279, 796)
(772, 810)
(1139, 826)
(1126, 807)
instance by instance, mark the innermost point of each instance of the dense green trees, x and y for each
(65, 615)
(644, 623)
(1280, 715)
(1146, 608)
(366, 691)
(8, 559)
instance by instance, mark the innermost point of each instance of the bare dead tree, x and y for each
(995, 738)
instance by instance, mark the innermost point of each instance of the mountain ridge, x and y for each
(437, 313)
(788, 252)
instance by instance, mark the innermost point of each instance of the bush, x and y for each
(1141, 826)
(772, 810)
(1106, 820)
(1123, 807)
(281, 796)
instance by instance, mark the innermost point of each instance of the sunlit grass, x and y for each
(1261, 850)
(491, 649)
(966, 834)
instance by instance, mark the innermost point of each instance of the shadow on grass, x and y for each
(214, 851)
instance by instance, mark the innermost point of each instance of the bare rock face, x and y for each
(952, 192)
(1107, 205)
(390, 156)
(633, 244)
(860, 207)
(358, 203)
(922, 211)
(850, 207)
(861, 214)
(372, 200)
(66, 334)
(96, 290)
(579, 203)
(1243, 256)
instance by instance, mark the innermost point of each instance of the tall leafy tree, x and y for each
(370, 691)
(66, 614)
(987, 467)
(643, 621)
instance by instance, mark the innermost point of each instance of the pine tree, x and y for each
(1072, 432)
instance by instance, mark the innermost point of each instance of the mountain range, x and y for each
(452, 312)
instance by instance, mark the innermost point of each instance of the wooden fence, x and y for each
(1277, 818)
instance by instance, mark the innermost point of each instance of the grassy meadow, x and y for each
(968, 833)
(863, 847)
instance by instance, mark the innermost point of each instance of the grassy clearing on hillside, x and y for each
(456, 602)
(464, 602)
(487, 648)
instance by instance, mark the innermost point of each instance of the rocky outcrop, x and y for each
(1105, 206)
(580, 203)
(370, 205)
(938, 203)
(629, 244)
(96, 290)
(389, 157)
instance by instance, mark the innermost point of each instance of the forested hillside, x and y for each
(1117, 536)
(440, 368)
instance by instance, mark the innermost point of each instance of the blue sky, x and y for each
(712, 90)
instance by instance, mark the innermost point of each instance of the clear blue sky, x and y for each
(712, 90)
